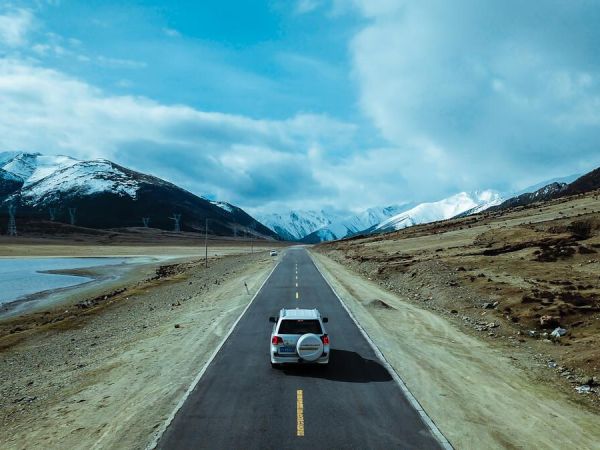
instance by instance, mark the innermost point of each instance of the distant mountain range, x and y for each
(313, 227)
(310, 227)
(558, 188)
(440, 210)
(295, 224)
(101, 194)
(324, 225)
(353, 224)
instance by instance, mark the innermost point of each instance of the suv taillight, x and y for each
(276, 340)
(325, 339)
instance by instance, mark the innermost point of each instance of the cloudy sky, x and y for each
(280, 104)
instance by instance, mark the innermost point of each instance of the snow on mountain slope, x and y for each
(488, 199)
(79, 178)
(354, 224)
(223, 205)
(45, 178)
(7, 156)
(322, 235)
(101, 194)
(441, 210)
(32, 167)
(4, 175)
(294, 225)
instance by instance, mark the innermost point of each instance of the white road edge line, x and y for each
(410, 397)
(158, 435)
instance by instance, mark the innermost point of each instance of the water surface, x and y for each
(23, 277)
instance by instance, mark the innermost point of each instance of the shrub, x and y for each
(581, 229)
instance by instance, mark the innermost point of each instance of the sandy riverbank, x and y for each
(109, 372)
(143, 261)
(94, 281)
(49, 249)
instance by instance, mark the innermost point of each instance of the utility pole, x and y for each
(12, 223)
(52, 214)
(177, 218)
(206, 243)
(72, 212)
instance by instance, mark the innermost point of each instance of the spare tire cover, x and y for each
(309, 347)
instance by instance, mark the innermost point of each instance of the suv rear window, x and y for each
(299, 326)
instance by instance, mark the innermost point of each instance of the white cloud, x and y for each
(119, 63)
(248, 161)
(306, 6)
(171, 32)
(15, 24)
(465, 95)
(501, 99)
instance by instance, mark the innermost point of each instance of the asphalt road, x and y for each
(243, 403)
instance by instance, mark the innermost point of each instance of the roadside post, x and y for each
(206, 243)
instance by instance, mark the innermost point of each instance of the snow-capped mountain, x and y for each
(79, 178)
(545, 193)
(295, 225)
(312, 227)
(441, 210)
(542, 184)
(559, 187)
(102, 194)
(354, 224)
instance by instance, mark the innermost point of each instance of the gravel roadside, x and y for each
(474, 392)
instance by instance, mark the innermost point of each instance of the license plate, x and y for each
(287, 349)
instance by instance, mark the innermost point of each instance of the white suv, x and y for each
(299, 336)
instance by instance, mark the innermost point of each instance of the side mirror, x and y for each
(325, 319)
(272, 319)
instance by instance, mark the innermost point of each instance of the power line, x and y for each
(72, 212)
(177, 219)
(206, 243)
(12, 223)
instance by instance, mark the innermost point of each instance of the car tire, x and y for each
(274, 365)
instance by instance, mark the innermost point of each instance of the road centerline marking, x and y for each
(296, 295)
(299, 413)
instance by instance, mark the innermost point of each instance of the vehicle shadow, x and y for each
(344, 366)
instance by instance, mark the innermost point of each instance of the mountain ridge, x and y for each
(102, 194)
(353, 224)
(583, 183)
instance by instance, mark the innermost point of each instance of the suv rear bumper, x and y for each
(294, 359)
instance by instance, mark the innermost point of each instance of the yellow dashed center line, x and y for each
(299, 413)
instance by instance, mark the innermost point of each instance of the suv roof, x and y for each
(299, 314)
